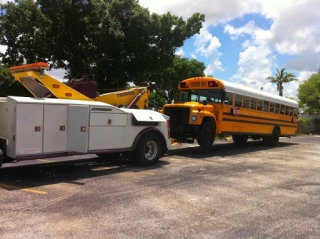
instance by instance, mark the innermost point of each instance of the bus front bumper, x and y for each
(184, 130)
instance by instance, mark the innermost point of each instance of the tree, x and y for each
(111, 41)
(281, 78)
(309, 93)
(9, 86)
(180, 69)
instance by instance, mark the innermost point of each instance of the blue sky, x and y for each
(246, 41)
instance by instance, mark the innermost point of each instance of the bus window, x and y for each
(271, 107)
(282, 109)
(229, 98)
(253, 104)
(287, 110)
(266, 106)
(295, 112)
(189, 95)
(291, 111)
(238, 100)
(246, 102)
(277, 109)
(211, 96)
(259, 104)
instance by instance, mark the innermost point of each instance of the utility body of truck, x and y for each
(37, 127)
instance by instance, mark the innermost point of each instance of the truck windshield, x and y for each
(211, 96)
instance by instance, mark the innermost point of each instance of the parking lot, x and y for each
(253, 191)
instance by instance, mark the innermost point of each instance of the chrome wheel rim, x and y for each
(150, 150)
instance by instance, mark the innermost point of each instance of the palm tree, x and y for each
(280, 78)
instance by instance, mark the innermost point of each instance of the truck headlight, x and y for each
(194, 118)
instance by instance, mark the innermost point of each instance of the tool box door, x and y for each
(55, 128)
(29, 129)
(78, 128)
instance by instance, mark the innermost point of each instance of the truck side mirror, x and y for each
(204, 102)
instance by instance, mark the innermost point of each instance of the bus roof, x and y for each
(247, 91)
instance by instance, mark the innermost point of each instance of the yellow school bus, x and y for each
(206, 107)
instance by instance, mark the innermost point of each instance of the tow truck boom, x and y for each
(42, 85)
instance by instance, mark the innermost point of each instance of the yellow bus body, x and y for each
(236, 110)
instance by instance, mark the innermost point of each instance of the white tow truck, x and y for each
(33, 128)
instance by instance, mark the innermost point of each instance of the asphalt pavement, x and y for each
(253, 191)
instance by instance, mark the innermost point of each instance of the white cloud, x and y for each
(208, 46)
(254, 67)
(3, 48)
(194, 56)
(179, 52)
(217, 11)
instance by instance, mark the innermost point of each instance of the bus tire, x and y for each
(148, 151)
(272, 140)
(206, 134)
(240, 139)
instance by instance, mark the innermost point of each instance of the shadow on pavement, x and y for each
(30, 176)
(224, 149)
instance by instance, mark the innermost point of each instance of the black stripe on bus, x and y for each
(254, 122)
(257, 117)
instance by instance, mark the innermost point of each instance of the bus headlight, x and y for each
(194, 118)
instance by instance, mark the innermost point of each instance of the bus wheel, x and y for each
(206, 134)
(272, 140)
(240, 139)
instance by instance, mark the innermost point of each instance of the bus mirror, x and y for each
(204, 102)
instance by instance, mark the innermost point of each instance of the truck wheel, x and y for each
(240, 139)
(206, 134)
(1, 158)
(272, 140)
(148, 150)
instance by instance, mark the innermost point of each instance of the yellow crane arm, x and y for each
(41, 85)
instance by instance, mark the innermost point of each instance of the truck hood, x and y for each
(147, 115)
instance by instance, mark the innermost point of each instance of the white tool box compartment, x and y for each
(55, 128)
(78, 128)
(28, 135)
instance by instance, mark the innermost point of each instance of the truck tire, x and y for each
(206, 134)
(1, 158)
(148, 151)
(240, 139)
(272, 140)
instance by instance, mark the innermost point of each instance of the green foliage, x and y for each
(111, 41)
(157, 99)
(281, 78)
(180, 69)
(309, 93)
(9, 86)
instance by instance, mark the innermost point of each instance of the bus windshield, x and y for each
(211, 96)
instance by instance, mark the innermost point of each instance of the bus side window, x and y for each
(259, 104)
(287, 110)
(228, 100)
(277, 108)
(282, 109)
(246, 102)
(253, 104)
(291, 111)
(295, 112)
(238, 100)
(266, 106)
(271, 107)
